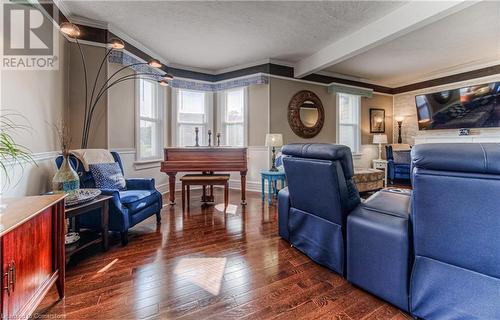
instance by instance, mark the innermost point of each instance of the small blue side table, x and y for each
(272, 178)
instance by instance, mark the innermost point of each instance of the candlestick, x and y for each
(196, 136)
(209, 137)
(218, 139)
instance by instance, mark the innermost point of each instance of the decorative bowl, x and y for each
(82, 196)
(71, 238)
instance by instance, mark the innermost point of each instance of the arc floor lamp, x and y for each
(73, 31)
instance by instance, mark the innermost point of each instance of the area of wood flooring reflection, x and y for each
(206, 265)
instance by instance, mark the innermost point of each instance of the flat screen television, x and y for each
(476, 106)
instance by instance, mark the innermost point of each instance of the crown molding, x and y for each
(347, 77)
(122, 35)
(62, 7)
(193, 69)
(446, 72)
(88, 22)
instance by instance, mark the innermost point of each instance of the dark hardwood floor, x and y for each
(207, 265)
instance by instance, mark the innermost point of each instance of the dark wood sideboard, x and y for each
(32, 252)
(204, 159)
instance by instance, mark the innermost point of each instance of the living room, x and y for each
(250, 159)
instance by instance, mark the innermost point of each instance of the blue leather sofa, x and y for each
(127, 208)
(456, 231)
(433, 252)
(398, 164)
(320, 194)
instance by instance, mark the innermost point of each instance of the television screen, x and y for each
(476, 106)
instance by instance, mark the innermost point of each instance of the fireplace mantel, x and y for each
(448, 138)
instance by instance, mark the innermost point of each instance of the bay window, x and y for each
(231, 117)
(192, 109)
(149, 117)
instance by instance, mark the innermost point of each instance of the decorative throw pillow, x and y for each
(108, 176)
(279, 160)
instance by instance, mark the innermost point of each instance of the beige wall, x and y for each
(121, 110)
(258, 114)
(281, 91)
(41, 97)
(378, 101)
(98, 132)
(404, 105)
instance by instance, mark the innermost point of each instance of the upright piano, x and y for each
(206, 160)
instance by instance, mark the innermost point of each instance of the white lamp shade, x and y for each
(274, 140)
(380, 138)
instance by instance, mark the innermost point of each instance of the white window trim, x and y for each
(160, 120)
(221, 105)
(355, 153)
(175, 124)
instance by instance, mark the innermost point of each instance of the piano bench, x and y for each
(204, 180)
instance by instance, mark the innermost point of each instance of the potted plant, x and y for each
(12, 153)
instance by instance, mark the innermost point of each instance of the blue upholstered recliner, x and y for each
(433, 252)
(456, 231)
(127, 208)
(398, 164)
(320, 195)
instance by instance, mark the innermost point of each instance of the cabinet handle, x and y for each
(13, 275)
(6, 276)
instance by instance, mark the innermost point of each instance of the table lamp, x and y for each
(380, 138)
(274, 140)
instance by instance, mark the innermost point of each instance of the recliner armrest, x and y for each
(283, 211)
(141, 184)
(390, 202)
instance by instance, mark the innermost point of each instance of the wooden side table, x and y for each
(381, 164)
(272, 178)
(87, 238)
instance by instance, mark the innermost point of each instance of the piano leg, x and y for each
(171, 187)
(243, 175)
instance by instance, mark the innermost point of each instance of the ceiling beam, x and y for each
(405, 19)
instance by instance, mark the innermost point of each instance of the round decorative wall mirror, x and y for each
(306, 115)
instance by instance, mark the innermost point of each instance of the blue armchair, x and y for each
(127, 208)
(320, 194)
(398, 164)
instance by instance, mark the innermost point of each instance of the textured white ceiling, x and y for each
(465, 40)
(217, 35)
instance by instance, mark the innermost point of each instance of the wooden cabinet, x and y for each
(32, 252)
